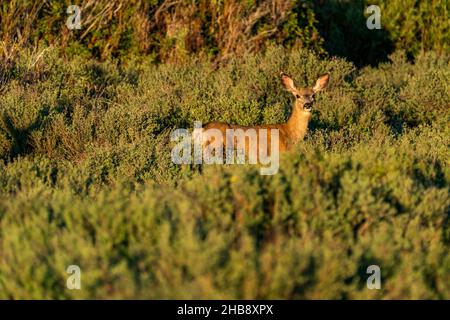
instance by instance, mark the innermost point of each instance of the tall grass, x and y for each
(163, 29)
(175, 31)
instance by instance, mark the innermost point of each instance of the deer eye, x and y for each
(297, 96)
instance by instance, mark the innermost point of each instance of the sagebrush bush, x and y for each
(87, 179)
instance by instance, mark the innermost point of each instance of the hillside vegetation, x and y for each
(216, 30)
(87, 179)
(86, 176)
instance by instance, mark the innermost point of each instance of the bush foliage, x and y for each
(86, 179)
(174, 31)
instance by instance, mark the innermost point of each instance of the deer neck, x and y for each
(297, 124)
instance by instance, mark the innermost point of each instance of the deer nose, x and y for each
(307, 106)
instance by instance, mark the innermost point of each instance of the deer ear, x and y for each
(322, 82)
(287, 82)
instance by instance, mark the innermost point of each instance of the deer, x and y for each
(290, 133)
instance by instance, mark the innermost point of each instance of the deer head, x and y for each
(304, 97)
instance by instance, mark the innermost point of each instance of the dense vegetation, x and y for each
(171, 31)
(86, 177)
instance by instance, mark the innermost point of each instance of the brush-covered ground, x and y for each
(86, 179)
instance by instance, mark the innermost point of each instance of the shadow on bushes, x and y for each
(343, 28)
(20, 136)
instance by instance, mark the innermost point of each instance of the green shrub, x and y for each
(412, 26)
(86, 178)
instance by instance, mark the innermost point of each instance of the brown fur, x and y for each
(290, 132)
